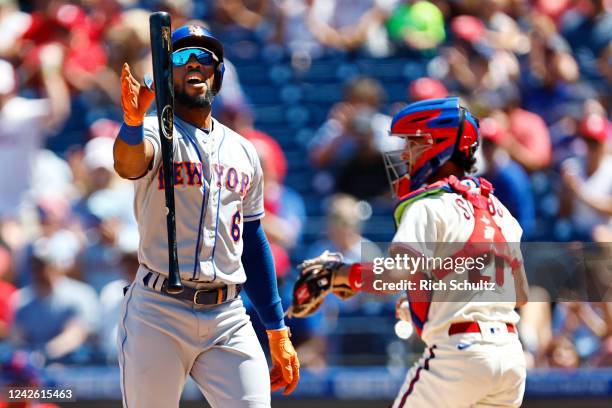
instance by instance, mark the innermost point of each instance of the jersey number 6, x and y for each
(235, 232)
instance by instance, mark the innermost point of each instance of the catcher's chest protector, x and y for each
(486, 238)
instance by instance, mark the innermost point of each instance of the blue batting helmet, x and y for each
(198, 36)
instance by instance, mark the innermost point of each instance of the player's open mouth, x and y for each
(194, 78)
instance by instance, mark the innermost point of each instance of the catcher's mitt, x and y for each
(316, 281)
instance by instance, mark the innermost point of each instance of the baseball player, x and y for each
(203, 332)
(473, 356)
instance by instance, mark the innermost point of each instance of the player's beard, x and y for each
(194, 101)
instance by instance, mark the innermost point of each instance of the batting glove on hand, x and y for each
(135, 98)
(285, 364)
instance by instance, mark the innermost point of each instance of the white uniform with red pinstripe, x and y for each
(475, 365)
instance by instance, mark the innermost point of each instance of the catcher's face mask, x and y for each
(402, 163)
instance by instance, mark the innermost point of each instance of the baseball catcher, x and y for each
(473, 356)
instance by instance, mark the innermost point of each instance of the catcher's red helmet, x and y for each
(433, 130)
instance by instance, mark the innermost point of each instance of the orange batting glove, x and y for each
(285, 364)
(135, 98)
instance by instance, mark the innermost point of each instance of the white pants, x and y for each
(162, 340)
(466, 372)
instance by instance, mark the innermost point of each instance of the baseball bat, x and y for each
(161, 48)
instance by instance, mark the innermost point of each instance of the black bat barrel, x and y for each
(161, 47)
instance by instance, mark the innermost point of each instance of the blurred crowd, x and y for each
(537, 73)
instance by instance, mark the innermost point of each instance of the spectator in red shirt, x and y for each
(527, 138)
(81, 35)
(426, 88)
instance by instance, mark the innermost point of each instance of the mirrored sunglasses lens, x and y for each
(181, 57)
(205, 58)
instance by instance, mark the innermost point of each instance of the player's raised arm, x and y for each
(131, 152)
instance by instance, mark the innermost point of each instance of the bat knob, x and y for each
(174, 286)
(174, 289)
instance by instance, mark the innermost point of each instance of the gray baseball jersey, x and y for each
(218, 186)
